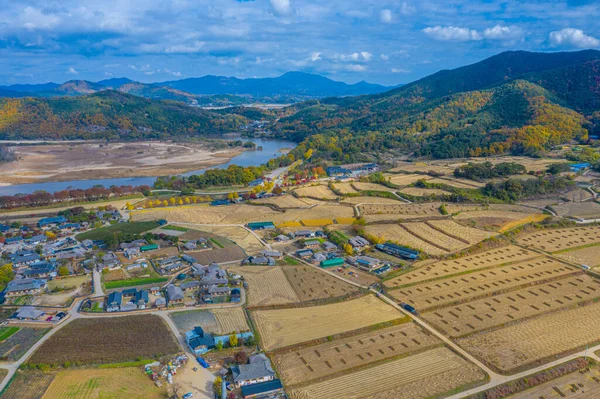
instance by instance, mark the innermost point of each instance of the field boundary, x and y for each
(409, 231)
(313, 302)
(446, 233)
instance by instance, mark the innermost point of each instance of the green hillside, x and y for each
(108, 115)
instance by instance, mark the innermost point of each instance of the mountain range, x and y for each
(289, 87)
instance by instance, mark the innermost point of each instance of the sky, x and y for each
(379, 41)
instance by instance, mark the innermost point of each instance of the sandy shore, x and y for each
(79, 161)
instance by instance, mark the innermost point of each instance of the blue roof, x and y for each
(262, 387)
(52, 220)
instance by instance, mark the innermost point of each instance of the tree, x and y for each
(232, 196)
(233, 340)
(219, 345)
(348, 248)
(308, 153)
(172, 201)
(217, 386)
(6, 274)
(187, 200)
(180, 201)
(277, 190)
(129, 206)
(50, 235)
(165, 203)
(63, 271)
(240, 357)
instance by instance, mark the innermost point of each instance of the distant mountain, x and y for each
(75, 87)
(543, 98)
(108, 114)
(14, 93)
(289, 84)
(32, 88)
(114, 83)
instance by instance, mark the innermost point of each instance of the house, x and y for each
(132, 253)
(29, 313)
(236, 295)
(37, 239)
(24, 286)
(141, 299)
(366, 263)
(312, 244)
(174, 294)
(358, 242)
(258, 370)
(282, 238)
(22, 258)
(304, 253)
(160, 302)
(272, 254)
(50, 221)
(198, 341)
(13, 240)
(188, 259)
(215, 291)
(304, 233)
(262, 390)
(191, 285)
(113, 303)
(190, 245)
(110, 260)
(173, 267)
(129, 292)
(261, 225)
(41, 269)
(398, 251)
(318, 257)
(329, 246)
(335, 262)
(261, 260)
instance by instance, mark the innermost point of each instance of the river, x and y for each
(271, 149)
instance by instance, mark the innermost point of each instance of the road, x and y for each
(96, 278)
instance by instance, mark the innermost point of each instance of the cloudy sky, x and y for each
(380, 41)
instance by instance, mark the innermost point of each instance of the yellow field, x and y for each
(230, 320)
(405, 180)
(267, 285)
(371, 187)
(116, 383)
(288, 224)
(345, 220)
(283, 327)
(316, 222)
(345, 188)
(287, 201)
(423, 375)
(317, 191)
(528, 219)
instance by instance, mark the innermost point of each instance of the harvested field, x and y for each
(340, 355)
(28, 385)
(310, 283)
(559, 239)
(489, 214)
(204, 214)
(239, 236)
(423, 375)
(266, 285)
(514, 347)
(406, 180)
(121, 383)
(402, 211)
(360, 186)
(453, 229)
(424, 192)
(478, 284)
(589, 256)
(345, 188)
(188, 319)
(444, 269)
(317, 191)
(232, 253)
(395, 233)
(578, 195)
(370, 200)
(527, 219)
(230, 320)
(287, 201)
(20, 342)
(115, 339)
(426, 232)
(458, 183)
(115, 275)
(455, 208)
(283, 327)
(579, 210)
(505, 308)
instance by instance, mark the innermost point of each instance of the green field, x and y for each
(119, 228)
(130, 282)
(217, 243)
(7, 332)
(174, 228)
(291, 261)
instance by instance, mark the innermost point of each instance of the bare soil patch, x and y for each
(310, 283)
(267, 285)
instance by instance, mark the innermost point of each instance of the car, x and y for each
(188, 395)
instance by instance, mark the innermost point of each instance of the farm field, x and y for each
(114, 275)
(438, 293)
(460, 208)
(28, 385)
(585, 380)
(283, 327)
(423, 192)
(468, 234)
(370, 200)
(423, 375)
(405, 180)
(579, 210)
(188, 319)
(407, 167)
(345, 188)
(114, 339)
(125, 228)
(559, 239)
(458, 183)
(589, 256)
(447, 268)
(120, 383)
(266, 285)
(532, 341)
(17, 344)
(428, 232)
(240, 236)
(395, 233)
(230, 320)
(68, 283)
(526, 302)
(287, 201)
(310, 283)
(318, 191)
(361, 186)
(337, 356)
(230, 253)
(535, 218)
(402, 211)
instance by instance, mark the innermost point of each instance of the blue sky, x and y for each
(387, 42)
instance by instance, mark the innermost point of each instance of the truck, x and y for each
(202, 362)
(409, 308)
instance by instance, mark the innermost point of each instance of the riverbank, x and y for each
(82, 161)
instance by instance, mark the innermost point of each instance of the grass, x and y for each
(217, 243)
(23, 300)
(174, 228)
(68, 283)
(130, 282)
(119, 228)
(290, 261)
(341, 235)
(73, 203)
(7, 332)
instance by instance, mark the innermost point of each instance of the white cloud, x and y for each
(315, 56)
(385, 16)
(72, 71)
(400, 70)
(384, 57)
(502, 33)
(356, 68)
(572, 38)
(366, 55)
(185, 48)
(281, 7)
(406, 8)
(452, 33)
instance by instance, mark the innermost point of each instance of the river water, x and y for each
(271, 149)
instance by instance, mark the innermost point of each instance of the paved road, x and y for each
(96, 278)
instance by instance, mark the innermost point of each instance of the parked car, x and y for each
(188, 395)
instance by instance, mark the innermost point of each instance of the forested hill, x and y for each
(108, 115)
(515, 101)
